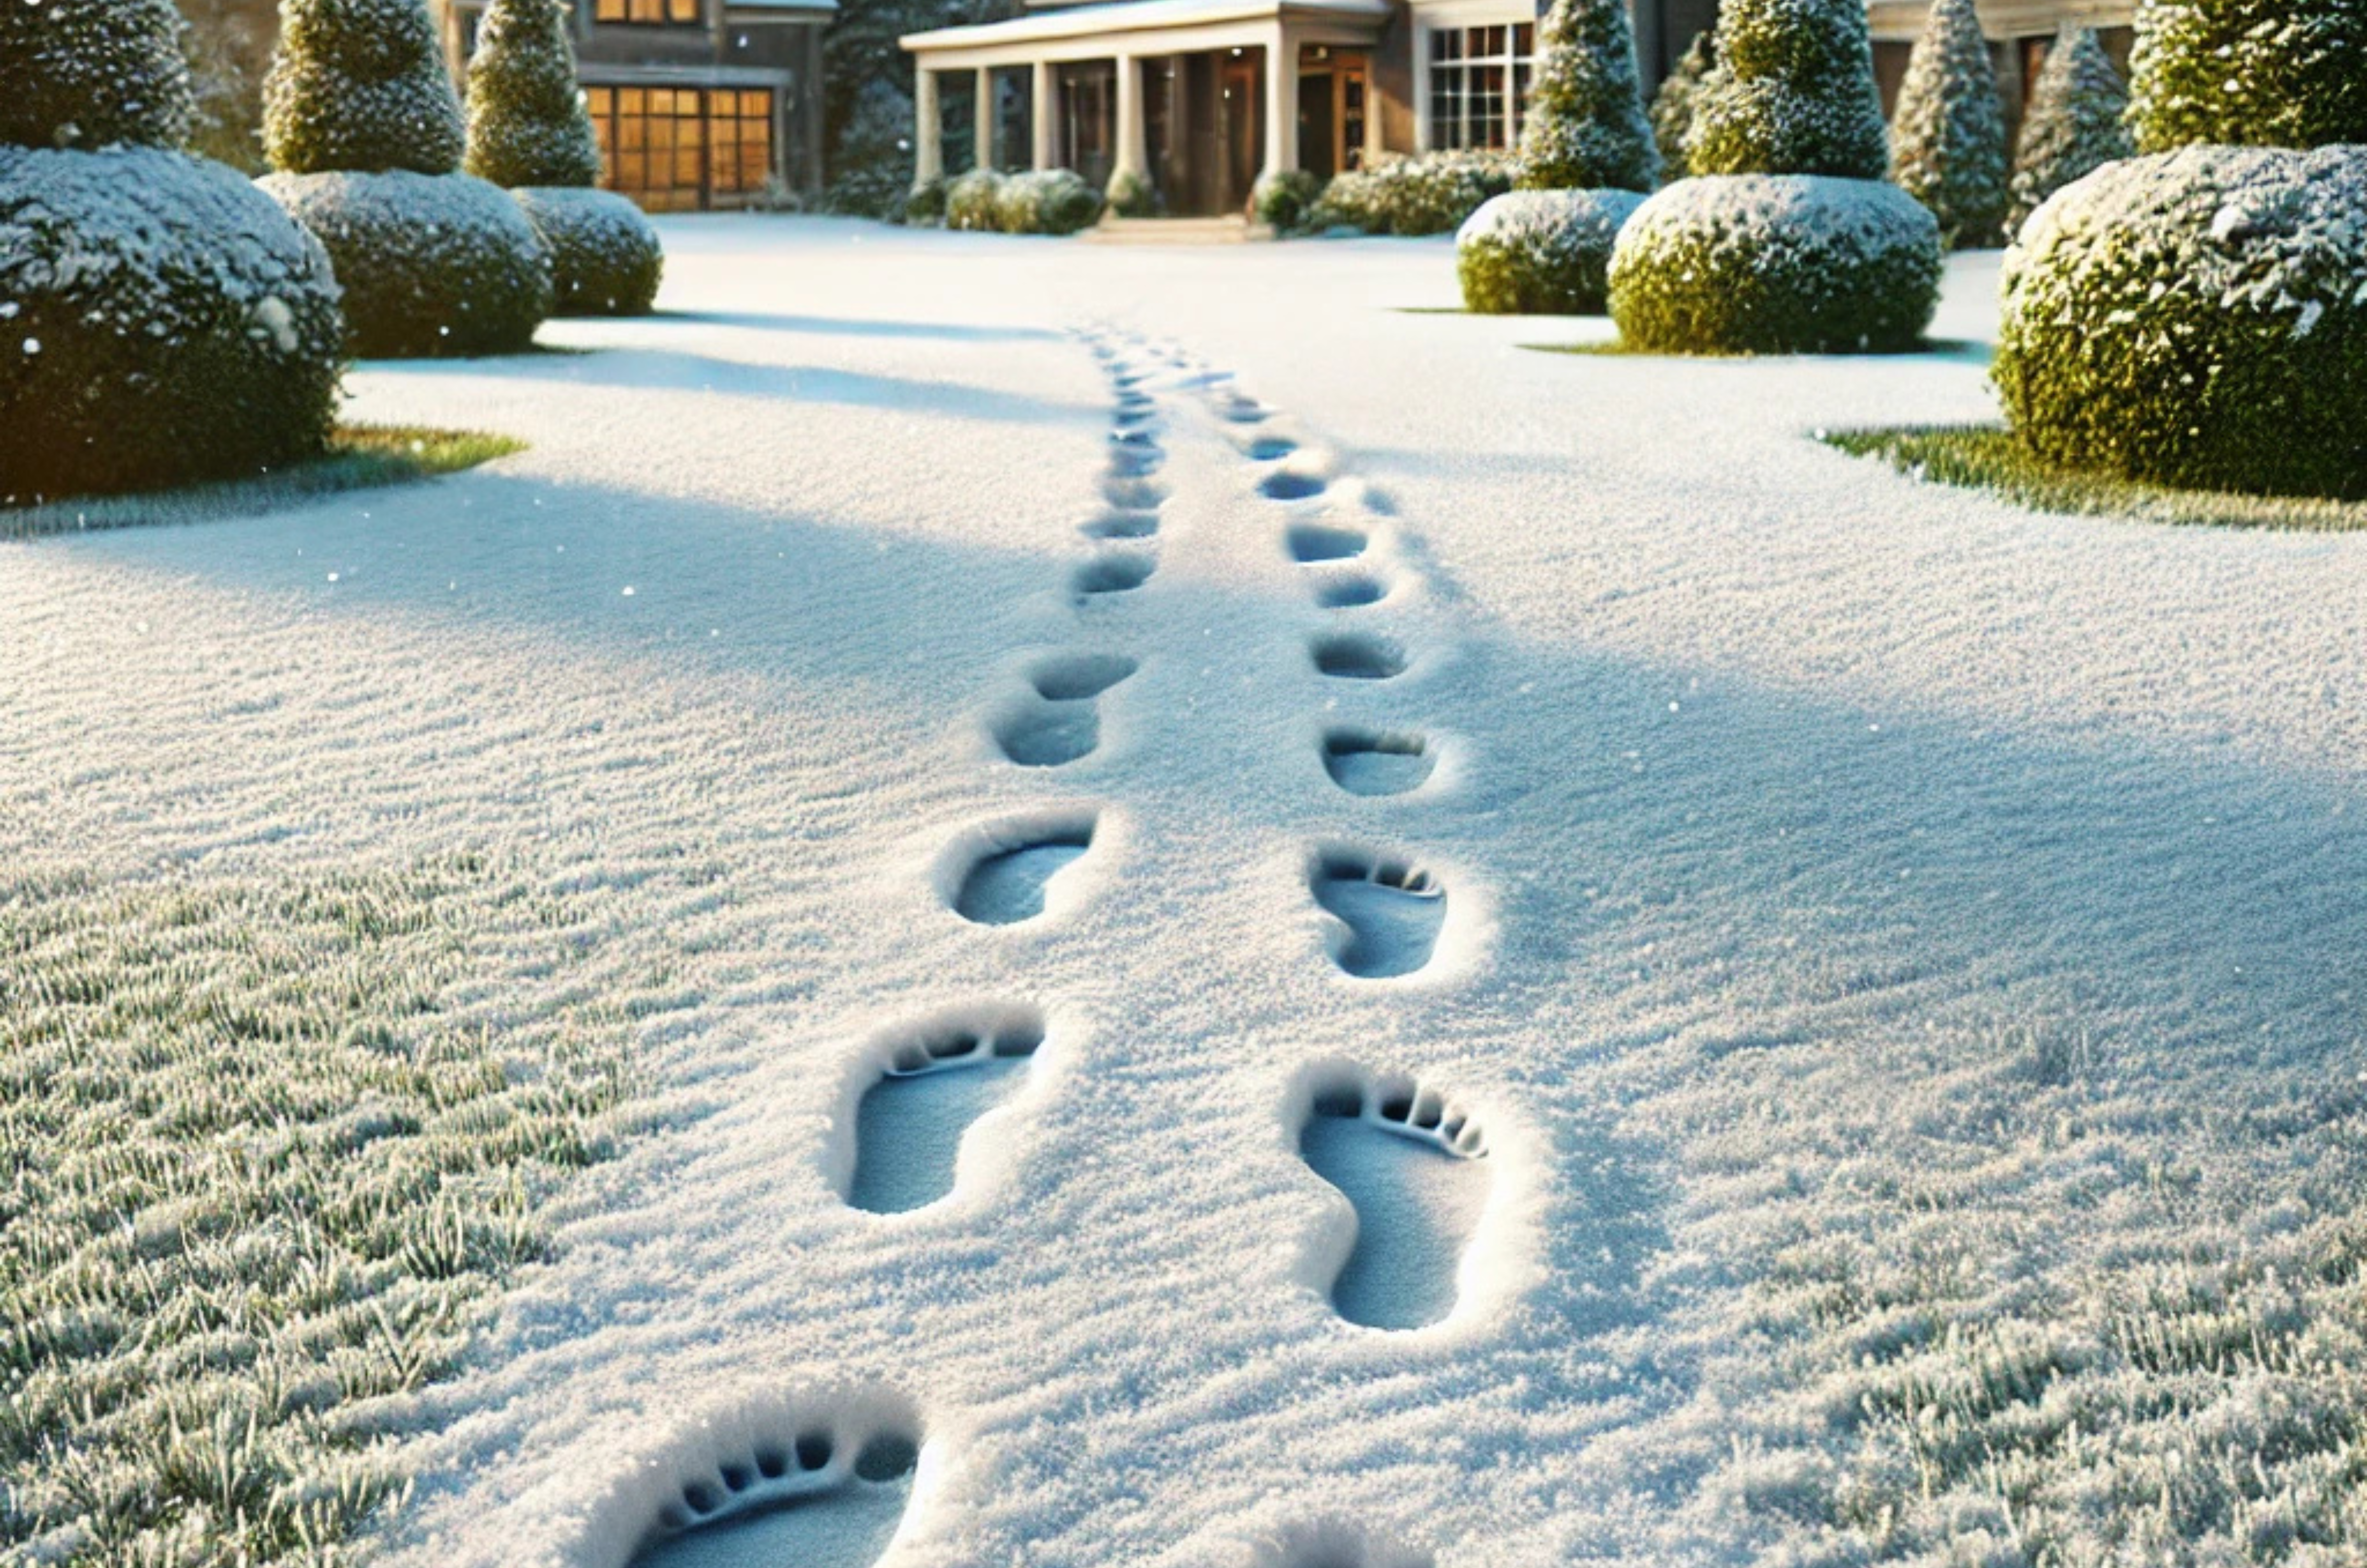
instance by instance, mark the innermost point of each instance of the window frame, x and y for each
(1479, 78)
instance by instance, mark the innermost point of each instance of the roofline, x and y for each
(1146, 16)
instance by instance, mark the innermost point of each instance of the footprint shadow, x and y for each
(1060, 722)
(1411, 1163)
(1114, 572)
(1354, 656)
(1377, 762)
(1312, 543)
(1389, 913)
(1002, 875)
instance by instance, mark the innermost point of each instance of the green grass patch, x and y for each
(360, 457)
(256, 1172)
(1618, 348)
(1982, 456)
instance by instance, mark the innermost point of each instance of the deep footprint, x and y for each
(1351, 591)
(1288, 486)
(813, 1500)
(1006, 885)
(1412, 1164)
(1268, 449)
(1392, 912)
(1355, 657)
(1119, 572)
(1310, 543)
(909, 1124)
(1122, 525)
(1373, 762)
(1063, 724)
(1132, 494)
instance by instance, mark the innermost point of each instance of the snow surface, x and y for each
(1770, 792)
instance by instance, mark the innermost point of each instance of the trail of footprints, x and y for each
(831, 1491)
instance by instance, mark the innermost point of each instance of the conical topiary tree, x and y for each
(527, 124)
(528, 130)
(1673, 106)
(2251, 73)
(89, 72)
(2077, 123)
(1947, 141)
(365, 131)
(1794, 94)
(359, 85)
(1586, 128)
(164, 321)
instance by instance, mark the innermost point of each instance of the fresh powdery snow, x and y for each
(1294, 935)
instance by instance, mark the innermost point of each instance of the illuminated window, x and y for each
(680, 149)
(649, 13)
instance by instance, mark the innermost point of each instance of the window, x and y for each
(679, 149)
(1479, 85)
(648, 12)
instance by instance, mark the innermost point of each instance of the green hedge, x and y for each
(1776, 264)
(970, 199)
(433, 265)
(2259, 73)
(1432, 194)
(1042, 201)
(166, 323)
(2197, 319)
(1541, 252)
(605, 256)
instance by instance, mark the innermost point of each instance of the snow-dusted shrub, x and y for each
(1541, 252)
(1776, 264)
(970, 199)
(90, 73)
(2257, 72)
(605, 256)
(924, 204)
(160, 322)
(1673, 106)
(431, 264)
(1947, 141)
(1429, 194)
(1046, 201)
(1793, 94)
(1284, 199)
(360, 84)
(527, 124)
(2077, 123)
(2197, 319)
(1585, 127)
(1131, 195)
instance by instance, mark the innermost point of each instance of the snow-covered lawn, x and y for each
(1897, 960)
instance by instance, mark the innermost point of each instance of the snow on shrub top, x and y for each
(1822, 213)
(1947, 147)
(1551, 221)
(1793, 94)
(2076, 123)
(527, 124)
(91, 73)
(1586, 128)
(1672, 107)
(2255, 72)
(360, 84)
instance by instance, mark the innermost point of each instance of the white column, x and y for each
(1280, 103)
(982, 95)
(1420, 89)
(928, 129)
(1132, 156)
(1039, 116)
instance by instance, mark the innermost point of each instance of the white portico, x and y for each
(1195, 97)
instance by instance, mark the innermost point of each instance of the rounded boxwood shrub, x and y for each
(161, 321)
(1776, 264)
(1793, 94)
(970, 199)
(1432, 193)
(925, 202)
(1284, 199)
(92, 72)
(605, 256)
(1131, 195)
(1046, 201)
(2197, 319)
(431, 264)
(1541, 252)
(360, 84)
(2257, 72)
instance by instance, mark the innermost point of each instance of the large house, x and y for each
(697, 103)
(1186, 94)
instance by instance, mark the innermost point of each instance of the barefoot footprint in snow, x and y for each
(1412, 1165)
(999, 876)
(1389, 913)
(935, 1085)
(1061, 722)
(1114, 572)
(1354, 655)
(1311, 544)
(820, 1497)
(1375, 762)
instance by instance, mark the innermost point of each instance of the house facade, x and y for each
(699, 104)
(1200, 97)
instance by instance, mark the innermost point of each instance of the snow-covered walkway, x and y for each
(1767, 833)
